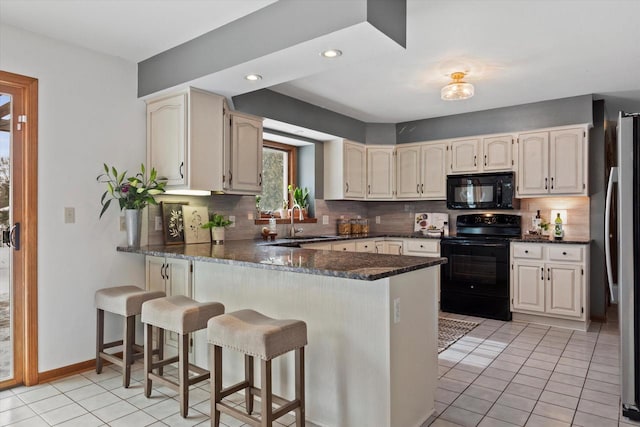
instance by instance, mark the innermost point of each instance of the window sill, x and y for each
(265, 221)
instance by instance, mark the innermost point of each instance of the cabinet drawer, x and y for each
(345, 247)
(564, 253)
(527, 251)
(366, 246)
(422, 246)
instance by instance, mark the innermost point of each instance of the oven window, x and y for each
(472, 194)
(473, 269)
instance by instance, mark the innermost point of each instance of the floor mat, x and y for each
(451, 330)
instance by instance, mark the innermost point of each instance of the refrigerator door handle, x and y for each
(613, 177)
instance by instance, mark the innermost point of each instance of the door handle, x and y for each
(230, 177)
(347, 187)
(369, 189)
(546, 187)
(422, 188)
(613, 177)
(475, 162)
(260, 180)
(541, 273)
(485, 160)
(552, 183)
(548, 274)
(181, 170)
(418, 188)
(14, 236)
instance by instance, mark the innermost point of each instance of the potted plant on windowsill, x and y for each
(217, 223)
(133, 194)
(300, 197)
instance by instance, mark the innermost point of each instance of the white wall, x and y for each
(88, 114)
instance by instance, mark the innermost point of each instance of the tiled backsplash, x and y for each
(395, 216)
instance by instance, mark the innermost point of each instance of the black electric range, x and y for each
(475, 281)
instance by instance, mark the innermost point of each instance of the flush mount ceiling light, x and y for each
(457, 89)
(253, 77)
(331, 53)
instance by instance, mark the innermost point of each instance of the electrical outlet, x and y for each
(396, 310)
(123, 225)
(250, 216)
(69, 215)
(377, 219)
(158, 224)
(232, 218)
(325, 219)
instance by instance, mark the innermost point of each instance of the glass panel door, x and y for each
(6, 288)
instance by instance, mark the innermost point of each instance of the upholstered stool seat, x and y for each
(181, 315)
(125, 301)
(256, 335)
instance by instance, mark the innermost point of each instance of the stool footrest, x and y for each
(111, 358)
(233, 389)
(197, 378)
(276, 399)
(239, 415)
(112, 344)
(164, 362)
(287, 407)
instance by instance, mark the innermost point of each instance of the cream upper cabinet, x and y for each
(552, 162)
(245, 174)
(421, 171)
(434, 171)
(380, 172)
(550, 280)
(408, 171)
(345, 167)
(567, 161)
(464, 155)
(167, 138)
(191, 139)
(497, 153)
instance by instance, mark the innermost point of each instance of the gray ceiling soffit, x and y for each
(557, 112)
(271, 29)
(290, 135)
(273, 105)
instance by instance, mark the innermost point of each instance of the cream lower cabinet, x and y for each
(173, 277)
(424, 248)
(550, 281)
(389, 247)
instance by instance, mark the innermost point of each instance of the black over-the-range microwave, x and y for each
(481, 191)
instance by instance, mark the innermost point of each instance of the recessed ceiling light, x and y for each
(253, 77)
(331, 53)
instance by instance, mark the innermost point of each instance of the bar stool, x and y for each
(125, 301)
(181, 315)
(256, 335)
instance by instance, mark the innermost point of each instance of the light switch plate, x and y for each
(158, 224)
(69, 215)
(232, 218)
(325, 219)
(250, 216)
(377, 219)
(123, 225)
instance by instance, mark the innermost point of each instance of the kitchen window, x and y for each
(278, 171)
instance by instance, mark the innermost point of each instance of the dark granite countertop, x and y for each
(251, 253)
(546, 239)
(302, 239)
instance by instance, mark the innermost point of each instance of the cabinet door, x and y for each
(528, 286)
(167, 139)
(433, 184)
(354, 170)
(380, 171)
(564, 289)
(155, 279)
(380, 247)
(246, 154)
(497, 153)
(393, 247)
(178, 274)
(408, 172)
(344, 246)
(464, 156)
(533, 163)
(566, 162)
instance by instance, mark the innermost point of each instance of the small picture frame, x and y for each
(193, 217)
(172, 223)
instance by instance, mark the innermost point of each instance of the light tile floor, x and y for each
(500, 374)
(507, 374)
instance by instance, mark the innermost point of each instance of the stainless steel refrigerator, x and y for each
(627, 291)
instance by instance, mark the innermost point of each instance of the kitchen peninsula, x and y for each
(371, 319)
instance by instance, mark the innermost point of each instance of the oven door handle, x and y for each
(483, 245)
(499, 194)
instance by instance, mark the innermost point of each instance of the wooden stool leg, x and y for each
(160, 350)
(248, 376)
(300, 411)
(99, 339)
(265, 395)
(183, 373)
(127, 349)
(215, 366)
(148, 357)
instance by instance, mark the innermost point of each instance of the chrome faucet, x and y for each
(300, 217)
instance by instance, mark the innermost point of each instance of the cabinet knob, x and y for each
(422, 246)
(526, 251)
(564, 253)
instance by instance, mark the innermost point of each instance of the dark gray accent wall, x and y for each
(557, 112)
(273, 28)
(597, 190)
(380, 133)
(306, 172)
(390, 17)
(273, 105)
